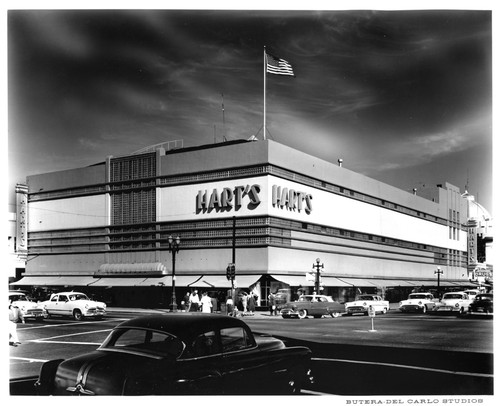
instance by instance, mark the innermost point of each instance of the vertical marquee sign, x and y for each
(22, 218)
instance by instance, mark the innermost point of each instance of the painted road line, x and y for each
(69, 335)
(445, 371)
(28, 359)
(64, 342)
(22, 328)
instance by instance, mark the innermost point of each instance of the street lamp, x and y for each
(318, 267)
(173, 247)
(438, 272)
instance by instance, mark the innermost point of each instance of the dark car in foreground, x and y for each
(180, 354)
(481, 305)
(312, 305)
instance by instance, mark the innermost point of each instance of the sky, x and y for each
(404, 97)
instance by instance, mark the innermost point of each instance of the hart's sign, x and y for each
(291, 199)
(227, 198)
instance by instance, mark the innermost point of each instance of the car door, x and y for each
(52, 305)
(244, 366)
(199, 371)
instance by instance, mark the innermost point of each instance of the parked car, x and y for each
(28, 308)
(312, 305)
(482, 305)
(363, 302)
(180, 354)
(472, 293)
(282, 297)
(418, 302)
(74, 304)
(453, 302)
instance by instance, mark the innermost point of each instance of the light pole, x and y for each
(173, 247)
(318, 267)
(438, 272)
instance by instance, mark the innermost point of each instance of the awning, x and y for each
(55, 281)
(211, 281)
(358, 282)
(136, 269)
(294, 280)
(180, 280)
(37, 281)
(245, 281)
(392, 282)
(118, 282)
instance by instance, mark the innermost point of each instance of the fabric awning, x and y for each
(37, 281)
(358, 282)
(294, 280)
(55, 281)
(118, 282)
(135, 269)
(180, 280)
(211, 281)
(245, 281)
(392, 282)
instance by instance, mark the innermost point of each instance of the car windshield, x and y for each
(365, 297)
(78, 296)
(148, 342)
(484, 297)
(305, 298)
(16, 297)
(453, 296)
(418, 296)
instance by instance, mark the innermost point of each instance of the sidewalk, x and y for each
(144, 312)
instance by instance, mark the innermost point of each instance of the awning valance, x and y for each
(110, 282)
(137, 269)
(358, 282)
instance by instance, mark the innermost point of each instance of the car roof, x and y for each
(183, 324)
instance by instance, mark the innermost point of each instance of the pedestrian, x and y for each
(244, 302)
(206, 303)
(272, 303)
(194, 302)
(185, 303)
(251, 303)
(15, 317)
(229, 306)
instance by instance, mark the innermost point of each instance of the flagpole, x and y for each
(264, 125)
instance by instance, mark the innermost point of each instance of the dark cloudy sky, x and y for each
(404, 97)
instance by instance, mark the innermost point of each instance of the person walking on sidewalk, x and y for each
(14, 317)
(272, 304)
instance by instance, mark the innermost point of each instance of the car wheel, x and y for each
(77, 314)
(302, 313)
(335, 314)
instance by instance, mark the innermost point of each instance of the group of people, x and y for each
(192, 302)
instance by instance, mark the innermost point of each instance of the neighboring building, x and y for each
(270, 209)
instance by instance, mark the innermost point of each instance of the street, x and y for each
(445, 354)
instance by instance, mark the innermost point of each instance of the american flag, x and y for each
(278, 66)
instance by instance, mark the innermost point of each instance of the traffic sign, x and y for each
(371, 311)
(230, 271)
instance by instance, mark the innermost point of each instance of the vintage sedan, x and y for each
(418, 302)
(74, 304)
(312, 305)
(28, 308)
(180, 354)
(452, 302)
(482, 305)
(363, 303)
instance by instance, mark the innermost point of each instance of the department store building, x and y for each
(269, 209)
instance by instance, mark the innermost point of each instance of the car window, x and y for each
(63, 298)
(234, 339)
(55, 298)
(203, 345)
(146, 341)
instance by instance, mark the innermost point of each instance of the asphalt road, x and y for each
(444, 354)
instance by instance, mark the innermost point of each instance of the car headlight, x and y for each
(86, 305)
(420, 303)
(457, 304)
(364, 304)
